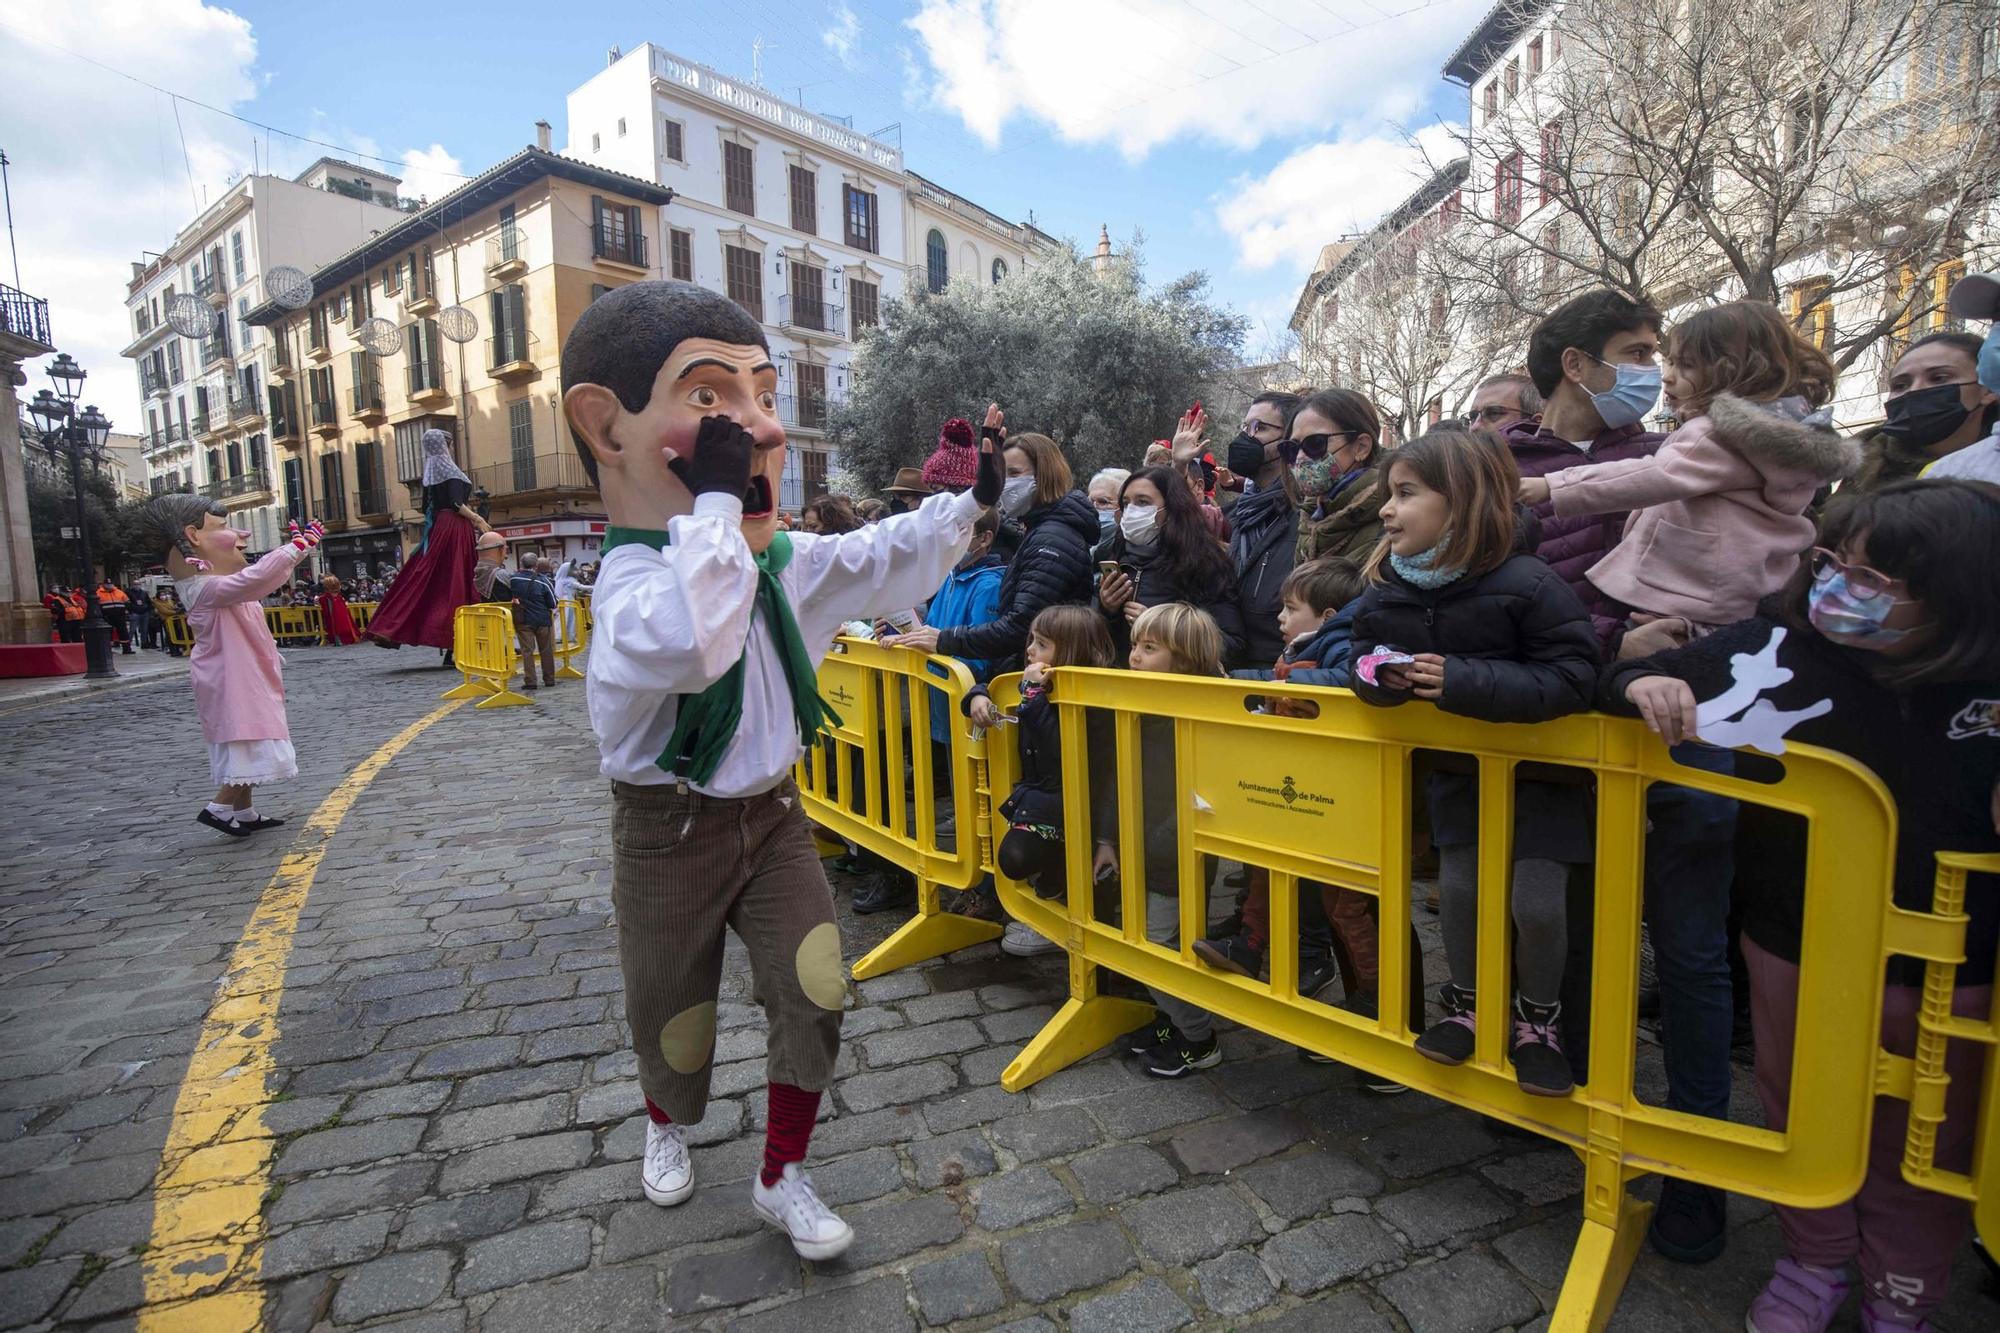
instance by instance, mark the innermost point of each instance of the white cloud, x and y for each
(431, 173)
(842, 32)
(1142, 73)
(1326, 191)
(97, 165)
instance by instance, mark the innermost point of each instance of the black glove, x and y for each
(987, 488)
(721, 462)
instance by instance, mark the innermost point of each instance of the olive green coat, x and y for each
(1355, 525)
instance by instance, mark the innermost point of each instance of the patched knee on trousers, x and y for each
(688, 1039)
(822, 976)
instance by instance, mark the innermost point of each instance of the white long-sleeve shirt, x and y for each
(671, 622)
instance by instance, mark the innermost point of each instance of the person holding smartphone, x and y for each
(1162, 551)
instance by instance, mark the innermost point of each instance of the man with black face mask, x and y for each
(1264, 523)
(1935, 407)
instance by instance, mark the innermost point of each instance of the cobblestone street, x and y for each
(457, 1119)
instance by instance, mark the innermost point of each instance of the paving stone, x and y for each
(856, 1179)
(1017, 1198)
(1122, 1171)
(514, 1085)
(715, 1213)
(526, 1255)
(1223, 1145)
(1032, 1324)
(1346, 1311)
(936, 1008)
(469, 1057)
(895, 986)
(1042, 1134)
(1234, 1283)
(530, 989)
(23, 1233)
(349, 1145)
(871, 1129)
(1345, 1112)
(1079, 1083)
(977, 1106)
(984, 1068)
(1542, 1252)
(1424, 1147)
(440, 1321)
(29, 1293)
(1468, 1293)
(1192, 1224)
(324, 1245)
(1256, 1084)
(1148, 1306)
(1441, 1209)
(1308, 1183)
(556, 1014)
(879, 1305)
(1137, 1112)
(118, 1289)
(392, 1285)
(1016, 1025)
(403, 1099)
(889, 1231)
(1536, 1178)
(1319, 1254)
(391, 984)
(605, 1300)
(950, 1158)
(502, 1162)
(961, 1287)
(902, 1045)
(332, 1196)
(1043, 1265)
(505, 1120)
(106, 1231)
(562, 1043)
(764, 1268)
(897, 1087)
(451, 1221)
(461, 1026)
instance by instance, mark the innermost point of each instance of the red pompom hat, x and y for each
(953, 465)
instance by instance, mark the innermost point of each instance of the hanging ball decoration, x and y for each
(380, 336)
(289, 287)
(190, 315)
(458, 324)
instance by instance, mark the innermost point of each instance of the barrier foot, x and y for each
(504, 698)
(1079, 1028)
(568, 672)
(1598, 1268)
(924, 937)
(471, 689)
(827, 847)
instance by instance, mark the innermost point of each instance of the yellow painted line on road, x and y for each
(208, 1196)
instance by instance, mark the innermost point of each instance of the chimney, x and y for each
(611, 56)
(542, 135)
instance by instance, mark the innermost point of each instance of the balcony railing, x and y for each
(806, 411)
(151, 383)
(24, 317)
(812, 316)
(210, 284)
(425, 378)
(618, 246)
(372, 501)
(366, 397)
(202, 423)
(216, 348)
(251, 482)
(245, 408)
(174, 433)
(533, 472)
(509, 347)
(507, 250)
(322, 416)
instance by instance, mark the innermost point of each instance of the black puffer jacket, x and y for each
(1153, 584)
(1051, 568)
(1517, 643)
(1263, 547)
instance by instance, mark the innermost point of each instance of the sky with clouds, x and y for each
(1238, 137)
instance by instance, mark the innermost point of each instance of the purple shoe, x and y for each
(1797, 1300)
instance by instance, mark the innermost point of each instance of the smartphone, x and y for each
(1106, 568)
(1105, 873)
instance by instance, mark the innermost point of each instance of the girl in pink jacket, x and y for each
(235, 669)
(1719, 513)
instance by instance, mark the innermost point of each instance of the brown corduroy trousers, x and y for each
(685, 865)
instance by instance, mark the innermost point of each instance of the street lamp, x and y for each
(79, 435)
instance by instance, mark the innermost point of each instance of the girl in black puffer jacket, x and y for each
(1497, 635)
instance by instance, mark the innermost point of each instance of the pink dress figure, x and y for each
(239, 690)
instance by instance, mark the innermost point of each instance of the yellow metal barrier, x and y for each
(291, 624)
(482, 637)
(179, 633)
(361, 613)
(872, 781)
(569, 618)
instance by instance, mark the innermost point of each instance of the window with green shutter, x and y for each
(521, 439)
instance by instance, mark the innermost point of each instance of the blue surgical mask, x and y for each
(1837, 613)
(1989, 358)
(1106, 520)
(1627, 402)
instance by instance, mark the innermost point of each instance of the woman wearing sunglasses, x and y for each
(1335, 455)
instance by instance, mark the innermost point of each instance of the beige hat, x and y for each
(909, 481)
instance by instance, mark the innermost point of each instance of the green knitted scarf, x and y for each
(708, 722)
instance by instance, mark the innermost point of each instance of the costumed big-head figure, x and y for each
(668, 387)
(194, 535)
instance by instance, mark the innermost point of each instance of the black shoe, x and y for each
(235, 828)
(887, 892)
(1691, 1224)
(1181, 1057)
(529, 685)
(1449, 1041)
(1231, 953)
(1317, 972)
(1160, 1032)
(1238, 878)
(261, 824)
(1540, 1066)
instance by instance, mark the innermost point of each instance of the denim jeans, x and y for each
(1690, 862)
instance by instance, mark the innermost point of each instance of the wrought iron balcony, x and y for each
(811, 316)
(533, 472)
(321, 415)
(255, 481)
(366, 399)
(509, 353)
(24, 323)
(425, 379)
(507, 253)
(216, 347)
(245, 408)
(618, 245)
(806, 411)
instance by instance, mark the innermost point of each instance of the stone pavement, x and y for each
(456, 1106)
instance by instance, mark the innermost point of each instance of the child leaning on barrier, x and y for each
(1032, 848)
(1885, 647)
(1183, 640)
(1458, 613)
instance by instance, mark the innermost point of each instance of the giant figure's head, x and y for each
(640, 369)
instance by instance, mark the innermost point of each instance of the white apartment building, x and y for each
(206, 399)
(805, 223)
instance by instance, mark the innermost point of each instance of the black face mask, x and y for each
(1922, 417)
(1246, 455)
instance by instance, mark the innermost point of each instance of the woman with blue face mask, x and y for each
(1885, 647)
(1162, 551)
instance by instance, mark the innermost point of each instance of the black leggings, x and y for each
(1034, 860)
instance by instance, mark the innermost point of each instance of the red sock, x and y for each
(658, 1116)
(793, 1111)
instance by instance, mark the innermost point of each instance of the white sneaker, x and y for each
(666, 1172)
(794, 1208)
(1024, 942)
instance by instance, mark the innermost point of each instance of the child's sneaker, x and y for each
(1798, 1299)
(1880, 1316)
(1160, 1032)
(1449, 1040)
(1181, 1057)
(1540, 1066)
(1231, 953)
(792, 1205)
(1023, 941)
(665, 1172)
